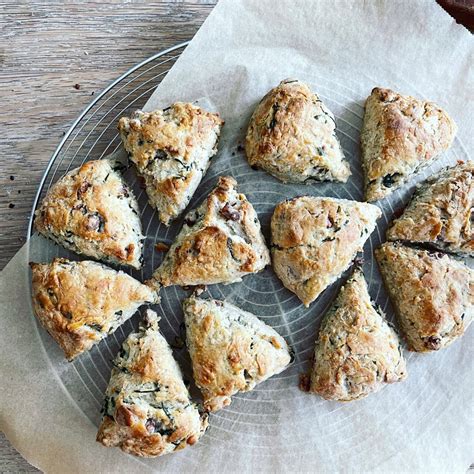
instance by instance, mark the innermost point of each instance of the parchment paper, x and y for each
(49, 408)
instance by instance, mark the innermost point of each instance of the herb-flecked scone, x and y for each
(219, 242)
(292, 136)
(315, 239)
(357, 352)
(81, 303)
(171, 149)
(400, 136)
(147, 410)
(441, 212)
(91, 211)
(231, 350)
(433, 294)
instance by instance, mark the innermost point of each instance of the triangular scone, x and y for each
(357, 352)
(432, 293)
(441, 212)
(171, 149)
(231, 350)
(92, 212)
(400, 136)
(147, 410)
(81, 303)
(315, 239)
(292, 136)
(220, 242)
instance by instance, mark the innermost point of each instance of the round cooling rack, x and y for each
(276, 417)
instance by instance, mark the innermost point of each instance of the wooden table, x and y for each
(53, 58)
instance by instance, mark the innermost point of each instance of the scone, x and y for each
(315, 239)
(81, 303)
(92, 212)
(357, 352)
(220, 242)
(171, 149)
(400, 136)
(292, 136)
(231, 350)
(147, 410)
(432, 293)
(441, 212)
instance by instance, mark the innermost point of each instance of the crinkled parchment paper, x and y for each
(49, 409)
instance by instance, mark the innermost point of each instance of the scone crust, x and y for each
(231, 350)
(357, 352)
(440, 212)
(91, 211)
(315, 239)
(171, 149)
(80, 303)
(433, 294)
(292, 136)
(220, 242)
(400, 136)
(147, 410)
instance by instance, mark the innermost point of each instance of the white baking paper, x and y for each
(49, 409)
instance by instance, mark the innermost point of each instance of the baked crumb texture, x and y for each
(292, 136)
(91, 211)
(357, 352)
(147, 410)
(433, 294)
(400, 136)
(231, 350)
(314, 240)
(171, 150)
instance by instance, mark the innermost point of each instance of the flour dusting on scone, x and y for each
(315, 239)
(231, 350)
(91, 211)
(441, 212)
(147, 410)
(400, 136)
(171, 149)
(433, 294)
(81, 303)
(292, 136)
(220, 242)
(357, 352)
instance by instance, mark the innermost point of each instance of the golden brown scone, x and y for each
(231, 350)
(400, 136)
(147, 410)
(220, 242)
(315, 239)
(81, 303)
(432, 293)
(292, 136)
(357, 352)
(171, 149)
(92, 212)
(441, 212)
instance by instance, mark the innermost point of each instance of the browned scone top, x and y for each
(441, 212)
(80, 303)
(315, 239)
(147, 410)
(292, 136)
(433, 294)
(171, 149)
(220, 242)
(231, 350)
(357, 352)
(91, 211)
(400, 136)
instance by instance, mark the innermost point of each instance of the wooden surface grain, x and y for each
(45, 49)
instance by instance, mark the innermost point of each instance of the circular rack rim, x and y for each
(81, 116)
